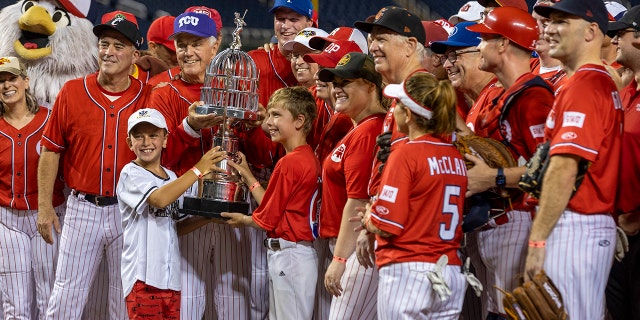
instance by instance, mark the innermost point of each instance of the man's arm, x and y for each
(557, 187)
(47, 173)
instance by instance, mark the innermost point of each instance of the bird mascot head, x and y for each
(53, 39)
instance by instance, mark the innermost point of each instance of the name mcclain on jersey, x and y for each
(170, 211)
(446, 165)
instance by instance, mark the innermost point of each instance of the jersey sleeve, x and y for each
(276, 197)
(581, 119)
(53, 135)
(529, 116)
(389, 212)
(134, 187)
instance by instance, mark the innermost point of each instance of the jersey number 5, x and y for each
(449, 208)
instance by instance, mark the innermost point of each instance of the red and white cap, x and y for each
(341, 34)
(399, 91)
(470, 11)
(303, 37)
(212, 13)
(332, 54)
(434, 32)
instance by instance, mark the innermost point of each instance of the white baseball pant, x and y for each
(27, 264)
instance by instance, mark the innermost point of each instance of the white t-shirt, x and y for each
(151, 252)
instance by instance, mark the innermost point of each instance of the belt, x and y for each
(100, 201)
(272, 243)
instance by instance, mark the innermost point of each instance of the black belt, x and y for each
(100, 201)
(272, 243)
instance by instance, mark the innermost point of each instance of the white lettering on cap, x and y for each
(188, 20)
(333, 47)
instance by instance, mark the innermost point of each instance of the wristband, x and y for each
(537, 244)
(339, 259)
(197, 172)
(254, 185)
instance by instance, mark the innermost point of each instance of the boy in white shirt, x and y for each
(148, 197)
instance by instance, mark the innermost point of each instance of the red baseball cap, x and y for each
(434, 32)
(332, 54)
(341, 34)
(212, 13)
(119, 13)
(160, 30)
(520, 4)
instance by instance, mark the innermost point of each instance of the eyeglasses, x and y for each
(622, 32)
(452, 56)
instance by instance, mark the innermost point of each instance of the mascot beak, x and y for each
(36, 25)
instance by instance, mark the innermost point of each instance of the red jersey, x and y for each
(165, 76)
(328, 128)
(346, 172)
(91, 131)
(586, 121)
(485, 98)
(290, 203)
(555, 76)
(275, 72)
(421, 203)
(20, 149)
(173, 101)
(629, 179)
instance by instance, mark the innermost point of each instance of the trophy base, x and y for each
(212, 208)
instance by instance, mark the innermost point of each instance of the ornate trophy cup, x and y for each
(230, 90)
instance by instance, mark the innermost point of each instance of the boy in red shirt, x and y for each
(288, 207)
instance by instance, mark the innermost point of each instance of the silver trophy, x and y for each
(230, 90)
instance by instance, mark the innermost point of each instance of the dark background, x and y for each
(259, 29)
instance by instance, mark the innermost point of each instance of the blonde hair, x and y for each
(297, 100)
(439, 96)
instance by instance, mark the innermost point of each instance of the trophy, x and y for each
(230, 90)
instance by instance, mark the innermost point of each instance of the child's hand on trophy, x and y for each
(201, 121)
(242, 166)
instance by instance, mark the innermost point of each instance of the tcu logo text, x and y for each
(188, 20)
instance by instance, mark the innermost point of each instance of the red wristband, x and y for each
(537, 244)
(339, 259)
(254, 185)
(197, 172)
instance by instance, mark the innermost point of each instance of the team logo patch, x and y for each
(382, 210)
(388, 193)
(344, 60)
(569, 135)
(338, 153)
(573, 119)
(551, 120)
(505, 128)
(604, 243)
(307, 33)
(4, 60)
(537, 131)
(465, 8)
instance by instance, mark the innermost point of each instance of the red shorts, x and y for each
(147, 302)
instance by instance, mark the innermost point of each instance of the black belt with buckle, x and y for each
(272, 243)
(100, 201)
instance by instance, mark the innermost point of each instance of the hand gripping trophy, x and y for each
(230, 90)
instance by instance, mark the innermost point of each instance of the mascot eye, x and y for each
(61, 18)
(27, 5)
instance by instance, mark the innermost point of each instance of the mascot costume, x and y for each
(51, 38)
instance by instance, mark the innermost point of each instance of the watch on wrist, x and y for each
(501, 180)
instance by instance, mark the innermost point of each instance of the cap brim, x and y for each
(365, 26)
(545, 11)
(101, 28)
(195, 33)
(318, 42)
(320, 59)
(327, 75)
(480, 28)
(13, 71)
(615, 26)
(441, 47)
(393, 90)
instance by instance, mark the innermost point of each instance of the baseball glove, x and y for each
(537, 299)
(531, 179)
(494, 153)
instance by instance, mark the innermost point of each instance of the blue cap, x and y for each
(459, 37)
(197, 24)
(303, 7)
(589, 10)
